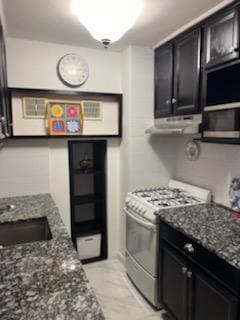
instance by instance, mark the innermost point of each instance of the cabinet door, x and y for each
(186, 74)
(163, 81)
(222, 39)
(210, 300)
(173, 282)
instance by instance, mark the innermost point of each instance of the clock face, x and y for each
(73, 70)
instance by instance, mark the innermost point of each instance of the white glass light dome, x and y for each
(107, 20)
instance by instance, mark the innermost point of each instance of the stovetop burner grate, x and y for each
(166, 197)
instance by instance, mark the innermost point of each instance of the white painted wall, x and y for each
(145, 160)
(24, 168)
(59, 177)
(214, 169)
(33, 65)
(2, 15)
(24, 165)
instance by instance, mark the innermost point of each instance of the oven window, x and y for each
(222, 120)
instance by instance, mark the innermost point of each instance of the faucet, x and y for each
(7, 208)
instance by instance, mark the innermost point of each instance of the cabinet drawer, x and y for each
(210, 262)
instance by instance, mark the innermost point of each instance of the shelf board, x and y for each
(218, 140)
(88, 198)
(87, 228)
(95, 259)
(91, 171)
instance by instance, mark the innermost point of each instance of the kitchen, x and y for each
(121, 76)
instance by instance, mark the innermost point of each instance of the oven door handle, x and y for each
(147, 225)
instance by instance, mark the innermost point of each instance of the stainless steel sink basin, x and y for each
(12, 233)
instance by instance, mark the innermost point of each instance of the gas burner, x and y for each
(172, 200)
(162, 193)
(147, 202)
(163, 204)
(143, 194)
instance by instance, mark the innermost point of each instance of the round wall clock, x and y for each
(192, 150)
(73, 70)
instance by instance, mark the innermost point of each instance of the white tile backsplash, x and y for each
(216, 166)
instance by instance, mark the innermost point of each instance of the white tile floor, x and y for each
(116, 294)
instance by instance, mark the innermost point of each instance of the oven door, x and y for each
(222, 123)
(141, 242)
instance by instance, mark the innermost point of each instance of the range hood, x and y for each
(176, 125)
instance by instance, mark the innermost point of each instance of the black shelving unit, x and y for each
(88, 193)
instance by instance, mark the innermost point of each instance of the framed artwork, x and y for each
(65, 117)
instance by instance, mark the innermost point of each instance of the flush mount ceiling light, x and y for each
(107, 20)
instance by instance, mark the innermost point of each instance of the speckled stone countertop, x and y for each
(210, 225)
(45, 279)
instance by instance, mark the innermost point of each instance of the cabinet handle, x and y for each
(184, 270)
(174, 100)
(233, 49)
(189, 274)
(189, 248)
(168, 102)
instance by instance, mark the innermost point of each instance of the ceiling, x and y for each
(53, 21)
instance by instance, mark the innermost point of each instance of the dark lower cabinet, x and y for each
(174, 285)
(209, 300)
(188, 291)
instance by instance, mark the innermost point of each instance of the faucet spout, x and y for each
(7, 208)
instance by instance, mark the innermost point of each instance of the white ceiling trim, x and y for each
(193, 22)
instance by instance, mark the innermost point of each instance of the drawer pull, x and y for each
(189, 274)
(184, 270)
(189, 248)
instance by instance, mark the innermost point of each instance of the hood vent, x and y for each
(176, 125)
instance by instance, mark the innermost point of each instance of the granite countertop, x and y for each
(210, 225)
(45, 279)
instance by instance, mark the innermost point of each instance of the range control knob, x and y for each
(189, 248)
(141, 210)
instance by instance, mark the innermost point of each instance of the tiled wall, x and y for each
(214, 169)
(24, 168)
(149, 158)
(145, 160)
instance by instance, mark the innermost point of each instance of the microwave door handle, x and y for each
(144, 224)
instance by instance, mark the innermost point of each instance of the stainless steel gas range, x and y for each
(143, 232)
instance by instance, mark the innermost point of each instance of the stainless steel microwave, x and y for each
(222, 121)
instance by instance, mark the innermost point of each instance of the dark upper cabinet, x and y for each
(186, 74)
(221, 39)
(163, 81)
(177, 76)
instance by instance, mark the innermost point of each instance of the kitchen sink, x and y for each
(12, 233)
